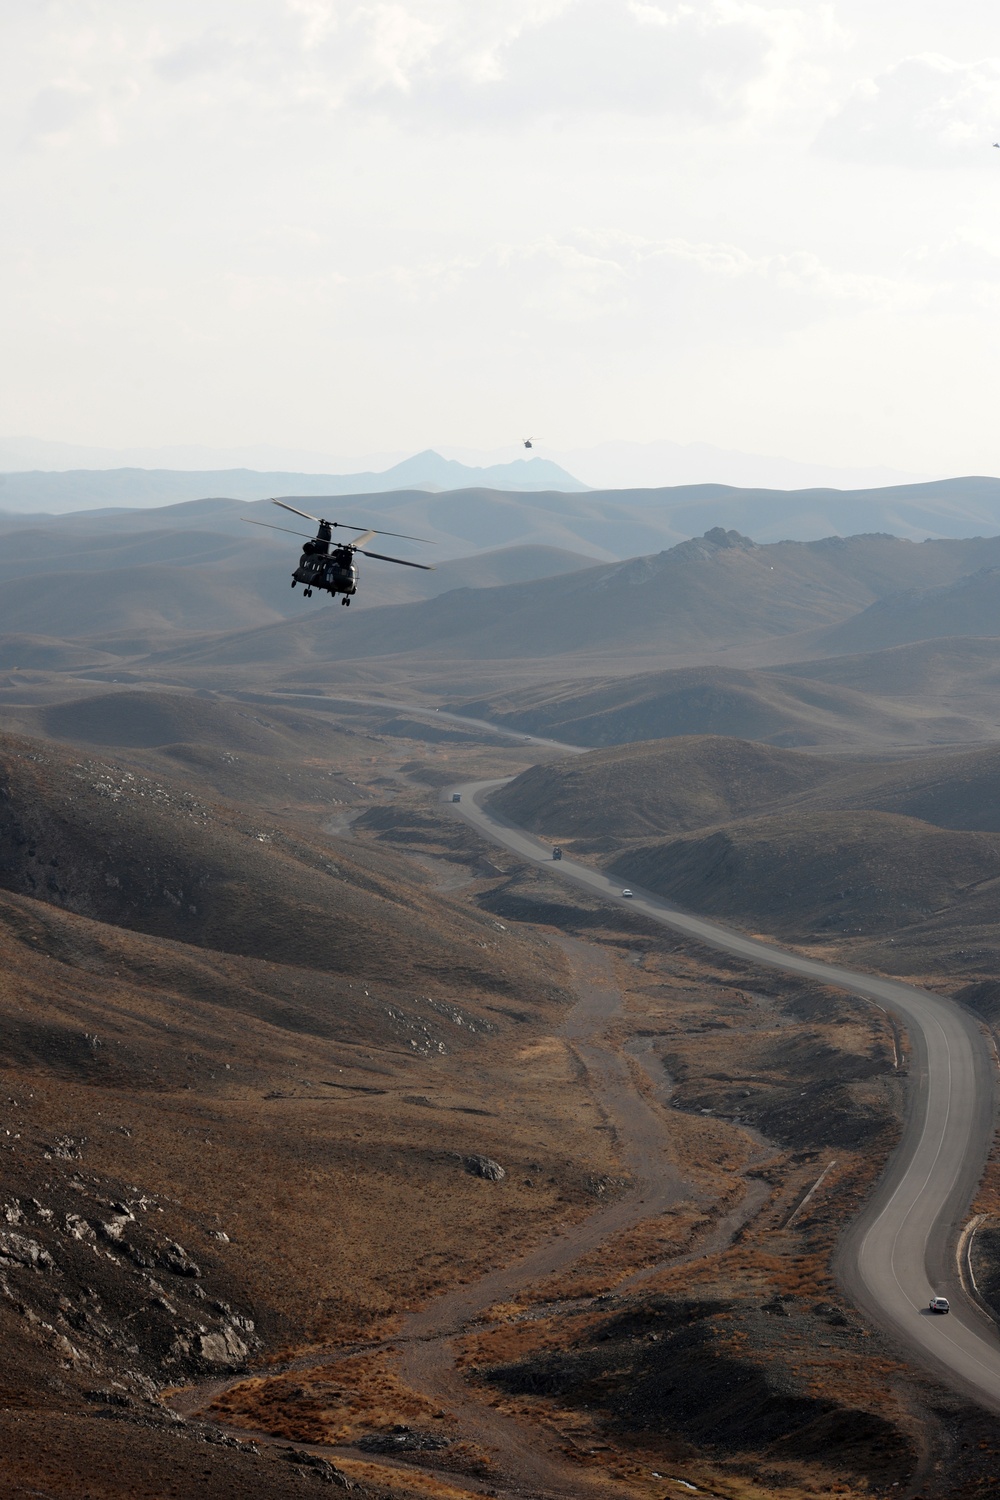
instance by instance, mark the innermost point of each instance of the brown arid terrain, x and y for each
(249, 1137)
(890, 863)
(344, 1147)
(195, 595)
(940, 692)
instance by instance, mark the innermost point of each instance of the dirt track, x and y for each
(527, 1460)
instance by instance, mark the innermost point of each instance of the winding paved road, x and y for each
(901, 1250)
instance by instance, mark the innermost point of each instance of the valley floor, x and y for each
(642, 1305)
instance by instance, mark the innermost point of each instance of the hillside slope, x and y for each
(122, 848)
(103, 576)
(769, 706)
(821, 873)
(799, 845)
(609, 522)
(968, 607)
(943, 692)
(211, 1157)
(631, 791)
(701, 595)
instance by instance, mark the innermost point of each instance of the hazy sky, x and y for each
(385, 225)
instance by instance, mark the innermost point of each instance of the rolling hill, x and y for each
(823, 874)
(702, 596)
(944, 691)
(122, 848)
(656, 786)
(150, 719)
(773, 707)
(495, 508)
(131, 578)
(783, 841)
(243, 1071)
(699, 781)
(968, 607)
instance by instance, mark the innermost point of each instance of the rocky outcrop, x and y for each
(485, 1166)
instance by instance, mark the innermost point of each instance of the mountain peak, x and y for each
(719, 537)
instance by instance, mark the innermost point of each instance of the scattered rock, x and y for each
(111, 1229)
(224, 1348)
(830, 1314)
(108, 1397)
(77, 1227)
(402, 1440)
(319, 1466)
(19, 1250)
(485, 1166)
(67, 1149)
(174, 1257)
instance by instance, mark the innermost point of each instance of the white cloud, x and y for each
(447, 61)
(56, 109)
(924, 111)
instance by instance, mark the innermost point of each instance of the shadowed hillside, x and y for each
(146, 719)
(825, 873)
(968, 607)
(635, 790)
(108, 576)
(699, 596)
(788, 842)
(121, 848)
(931, 692)
(772, 707)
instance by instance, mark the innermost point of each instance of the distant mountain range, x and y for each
(86, 489)
(614, 464)
(554, 510)
(198, 586)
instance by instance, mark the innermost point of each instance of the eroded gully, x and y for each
(529, 1458)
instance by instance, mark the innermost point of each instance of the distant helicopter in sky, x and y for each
(329, 565)
(528, 442)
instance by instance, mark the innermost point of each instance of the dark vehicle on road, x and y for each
(557, 853)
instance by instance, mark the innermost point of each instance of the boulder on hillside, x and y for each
(484, 1166)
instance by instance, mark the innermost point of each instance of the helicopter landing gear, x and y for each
(308, 593)
(345, 600)
(293, 583)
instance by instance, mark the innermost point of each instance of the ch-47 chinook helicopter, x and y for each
(326, 564)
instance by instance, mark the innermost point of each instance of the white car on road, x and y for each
(939, 1305)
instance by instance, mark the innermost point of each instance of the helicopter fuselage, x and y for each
(321, 568)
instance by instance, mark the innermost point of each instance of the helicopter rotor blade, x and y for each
(346, 525)
(427, 567)
(359, 541)
(285, 529)
(303, 513)
(402, 535)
